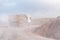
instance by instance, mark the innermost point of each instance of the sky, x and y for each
(36, 8)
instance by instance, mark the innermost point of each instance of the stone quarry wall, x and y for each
(41, 30)
(42, 21)
(50, 29)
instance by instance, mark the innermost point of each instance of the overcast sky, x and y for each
(37, 8)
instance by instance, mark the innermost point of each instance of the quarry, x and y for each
(23, 27)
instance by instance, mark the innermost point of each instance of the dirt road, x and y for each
(20, 33)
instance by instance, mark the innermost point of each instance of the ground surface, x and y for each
(20, 33)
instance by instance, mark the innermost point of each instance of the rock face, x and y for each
(50, 29)
(54, 30)
(18, 20)
(42, 30)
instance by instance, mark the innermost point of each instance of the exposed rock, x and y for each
(50, 29)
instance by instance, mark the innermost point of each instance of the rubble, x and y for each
(50, 29)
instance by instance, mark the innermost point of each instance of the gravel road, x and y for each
(20, 33)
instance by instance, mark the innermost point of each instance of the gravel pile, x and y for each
(50, 29)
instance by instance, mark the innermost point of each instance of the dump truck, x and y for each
(19, 20)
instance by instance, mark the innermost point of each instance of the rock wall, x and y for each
(50, 29)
